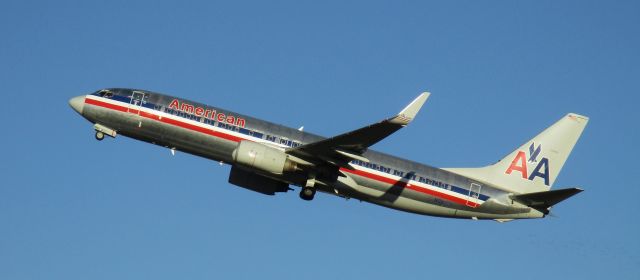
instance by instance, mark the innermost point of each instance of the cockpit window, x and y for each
(105, 93)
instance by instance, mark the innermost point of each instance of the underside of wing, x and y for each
(342, 149)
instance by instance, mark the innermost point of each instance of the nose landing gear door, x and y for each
(138, 100)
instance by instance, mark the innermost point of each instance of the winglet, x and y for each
(409, 113)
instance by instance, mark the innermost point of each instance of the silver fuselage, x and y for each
(214, 133)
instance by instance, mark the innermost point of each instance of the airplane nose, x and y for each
(77, 103)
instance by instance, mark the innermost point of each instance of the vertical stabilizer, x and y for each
(534, 166)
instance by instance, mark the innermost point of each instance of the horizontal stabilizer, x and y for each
(542, 201)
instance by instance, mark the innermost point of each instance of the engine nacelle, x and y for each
(264, 158)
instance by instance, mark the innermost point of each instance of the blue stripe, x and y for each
(464, 191)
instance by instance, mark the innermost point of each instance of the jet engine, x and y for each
(263, 158)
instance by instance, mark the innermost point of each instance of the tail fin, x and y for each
(534, 166)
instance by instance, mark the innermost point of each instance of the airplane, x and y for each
(267, 158)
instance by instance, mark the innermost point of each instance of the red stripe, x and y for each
(238, 139)
(105, 105)
(164, 120)
(390, 181)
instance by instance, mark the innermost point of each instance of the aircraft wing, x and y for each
(342, 149)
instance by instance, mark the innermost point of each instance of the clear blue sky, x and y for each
(75, 208)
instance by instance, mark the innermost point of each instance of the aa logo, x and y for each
(519, 164)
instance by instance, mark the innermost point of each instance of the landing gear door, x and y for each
(138, 99)
(474, 193)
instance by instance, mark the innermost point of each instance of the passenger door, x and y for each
(138, 99)
(474, 192)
